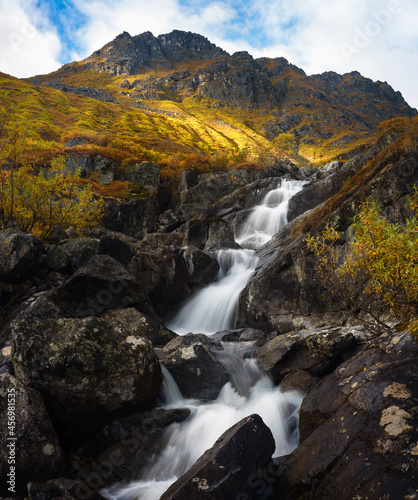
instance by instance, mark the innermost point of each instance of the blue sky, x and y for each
(379, 38)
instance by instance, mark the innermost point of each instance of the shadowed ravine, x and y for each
(250, 391)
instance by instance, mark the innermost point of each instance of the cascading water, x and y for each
(213, 308)
(187, 441)
(249, 391)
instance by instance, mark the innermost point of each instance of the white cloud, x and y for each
(29, 46)
(376, 37)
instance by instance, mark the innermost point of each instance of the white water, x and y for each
(213, 309)
(187, 441)
(250, 390)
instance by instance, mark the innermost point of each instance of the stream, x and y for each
(250, 390)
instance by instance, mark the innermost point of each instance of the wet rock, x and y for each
(103, 284)
(367, 410)
(202, 267)
(298, 380)
(28, 442)
(20, 255)
(86, 370)
(316, 351)
(133, 442)
(226, 469)
(194, 367)
(133, 322)
(61, 488)
(239, 335)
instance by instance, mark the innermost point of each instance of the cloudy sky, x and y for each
(379, 38)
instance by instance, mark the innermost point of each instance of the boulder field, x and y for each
(83, 341)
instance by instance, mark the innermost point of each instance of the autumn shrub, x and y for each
(376, 276)
(39, 203)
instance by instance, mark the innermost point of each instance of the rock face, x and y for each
(28, 441)
(367, 410)
(226, 469)
(194, 367)
(131, 55)
(86, 370)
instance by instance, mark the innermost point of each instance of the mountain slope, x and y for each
(184, 74)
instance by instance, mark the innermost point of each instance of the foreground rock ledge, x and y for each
(87, 370)
(224, 470)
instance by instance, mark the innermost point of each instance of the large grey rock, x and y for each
(29, 446)
(358, 428)
(86, 370)
(316, 351)
(161, 272)
(135, 218)
(225, 470)
(20, 255)
(194, 367)
(103, 284)
(133, 322)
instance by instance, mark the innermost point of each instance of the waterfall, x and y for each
(249, 390)
(214, 308)
(187, 441)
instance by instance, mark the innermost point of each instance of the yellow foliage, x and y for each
(41, 203)
(381, 263)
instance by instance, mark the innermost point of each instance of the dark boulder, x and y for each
(133, 442)
(87, 370)
(103, 284)
(147, 174)
(358, 428)
(118, 246)
(228, 468)
(315, 351)
(56, 259)
(194, 367)
(62, 488)
(202, 267)
(161, 272)
(134, 218)
(20, 255)
(28, 442)
(133, 322)
(80, 251)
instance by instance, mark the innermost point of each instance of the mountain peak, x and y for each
(132, 55)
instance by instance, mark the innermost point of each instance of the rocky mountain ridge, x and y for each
(173, 67)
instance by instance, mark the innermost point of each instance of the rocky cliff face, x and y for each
(183, 64)
(127, 55)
